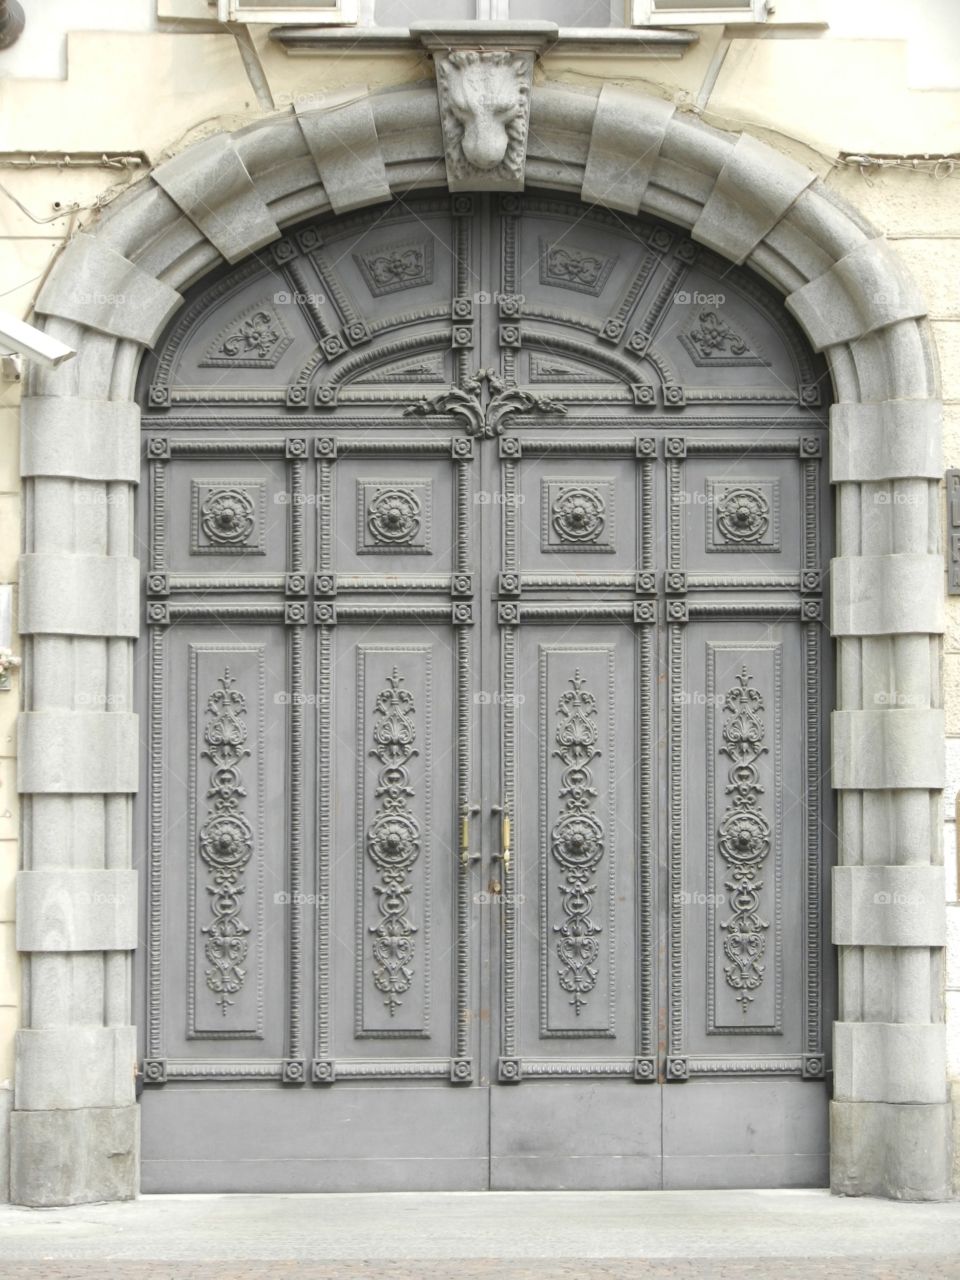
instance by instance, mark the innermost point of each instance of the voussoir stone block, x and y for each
(210, 183)
(342, 137)
(628, 132)
(83, 909)
(889, 906)
(886, 440)
(753, 191)
(62, 1068)
(84, 439)
(864, 291)
(889, 1062)
(896, 748)
(95, 286)
(68, 752)
(886, 595)
(897, 1150)
(74, 1157)
(79, 595)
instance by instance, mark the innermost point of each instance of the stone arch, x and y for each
(110, 294)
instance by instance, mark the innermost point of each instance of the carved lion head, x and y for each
(484, 99)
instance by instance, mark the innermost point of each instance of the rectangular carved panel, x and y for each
(222, 971)
(577, 984)
(744, 851)
(392, 943)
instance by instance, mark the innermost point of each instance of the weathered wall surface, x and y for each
(148, 86)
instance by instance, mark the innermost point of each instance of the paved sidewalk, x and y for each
(494, 1236)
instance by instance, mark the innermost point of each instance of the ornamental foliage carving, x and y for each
(485, 415)
(566, 267)
(577, 842)
(713, 341)
(226, 840)
(393, 841)
(397, 266)
(254, 341)
(743, 838)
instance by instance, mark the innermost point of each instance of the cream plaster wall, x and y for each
(151, 92)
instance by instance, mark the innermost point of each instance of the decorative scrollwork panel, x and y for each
(744, 695)
(577, 784)
(394, 832)
(226, 818)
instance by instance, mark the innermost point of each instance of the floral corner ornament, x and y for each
(8, 663)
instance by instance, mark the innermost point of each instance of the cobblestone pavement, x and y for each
(930, 1268)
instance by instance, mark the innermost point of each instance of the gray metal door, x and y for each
(483, 677)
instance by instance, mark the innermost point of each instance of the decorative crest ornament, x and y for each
(485, 417)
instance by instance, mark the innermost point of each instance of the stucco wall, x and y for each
(151, 91)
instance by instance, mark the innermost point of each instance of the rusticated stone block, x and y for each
(74, 1157)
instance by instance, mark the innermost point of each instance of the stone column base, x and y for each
(74, 1157)
(899, 1150)
(6, 1106)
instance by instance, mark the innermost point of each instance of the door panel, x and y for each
(393, 853)
(742, 902)
(571, 938)
(484, 699)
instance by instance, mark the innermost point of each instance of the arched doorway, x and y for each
(472, 526)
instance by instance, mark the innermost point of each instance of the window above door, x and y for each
(566, 13)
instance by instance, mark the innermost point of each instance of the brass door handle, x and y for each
(505, 852)
(466, 857)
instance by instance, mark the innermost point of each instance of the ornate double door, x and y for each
(483, 820)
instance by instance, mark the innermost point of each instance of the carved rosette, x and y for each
(393, 841)
(743, 515)
(227, 516)
(577, 842)
(484, 114)
(394, 516)
(226, 841)
(579, 514)
(743, 839)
